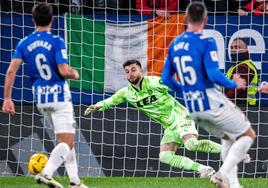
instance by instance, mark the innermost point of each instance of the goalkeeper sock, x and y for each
(206, 146)
(57, 157)
(71, 167)
(236, 154)
(178, 161)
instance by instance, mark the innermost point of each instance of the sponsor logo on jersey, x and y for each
(146, 101)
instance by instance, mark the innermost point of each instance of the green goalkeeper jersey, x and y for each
(152, 99)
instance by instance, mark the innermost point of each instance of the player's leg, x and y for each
(192, 144)
(189, 134)
(238, 150)
(244, 135)
(168, 147)
(68, 158)
(72, 170)
(167, 155)
(62, 120)
(236, 126)
(57, 157)
(59, 153)
(70, 161)
(232, 176)
(226, 144)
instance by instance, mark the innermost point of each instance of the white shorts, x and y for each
(228, 119)
(60, 115)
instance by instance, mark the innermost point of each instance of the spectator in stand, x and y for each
(161, 8)
(59, 6)
(124, 7)
(246, 69)
(256, 7)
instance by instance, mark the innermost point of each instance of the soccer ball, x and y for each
(37, 163)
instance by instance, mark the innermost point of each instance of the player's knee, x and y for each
(191, 144)
(250, 132)
(67, 138)
(71, 145)
(165, 156)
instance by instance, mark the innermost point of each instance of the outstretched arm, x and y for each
(118, 98)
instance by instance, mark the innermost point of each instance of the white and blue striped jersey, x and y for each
(42, 52)
(193, 57)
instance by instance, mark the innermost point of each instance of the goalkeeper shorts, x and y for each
(176, 133)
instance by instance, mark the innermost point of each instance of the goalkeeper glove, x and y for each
(91, 109)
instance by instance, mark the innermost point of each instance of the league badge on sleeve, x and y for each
(214, 56)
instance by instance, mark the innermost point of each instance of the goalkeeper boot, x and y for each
(206, 172)
(49, 181)
(81, 185)
(218, 180)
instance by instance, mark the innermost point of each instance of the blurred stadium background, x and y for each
(101, 35)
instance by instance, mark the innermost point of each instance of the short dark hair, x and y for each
(130, 62)
(42, 14)
(242, 39)
(196, 12)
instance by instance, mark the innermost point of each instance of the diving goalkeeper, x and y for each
(148, 94)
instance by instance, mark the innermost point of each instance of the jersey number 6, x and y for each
(43, 69)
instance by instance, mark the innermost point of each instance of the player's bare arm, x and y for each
(241, 83)
(8, 105)
(67, 72)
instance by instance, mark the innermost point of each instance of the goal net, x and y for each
(121, 141)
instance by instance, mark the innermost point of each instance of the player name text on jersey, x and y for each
(39, 43)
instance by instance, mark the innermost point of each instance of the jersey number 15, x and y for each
(186, 72)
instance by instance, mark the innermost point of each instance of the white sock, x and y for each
(236, 154)
(226, 145)
(71, 167)
(57, 157)
(233, 178)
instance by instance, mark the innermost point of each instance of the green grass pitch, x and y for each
(118, 182)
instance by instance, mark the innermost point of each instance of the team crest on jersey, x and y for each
(150, 92)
